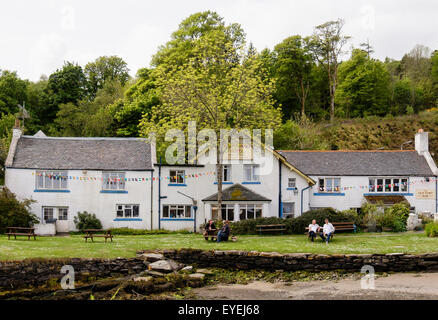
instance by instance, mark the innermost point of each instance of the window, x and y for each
(172, 211)
(177, 176)
(388, 185)
(250, 211)
(113, 181)
(226, 176)
(227, 212)
(127, 210)
(51, 180)
(288, 209)
(252, 172)
(330, 185)
(59, 213)
(292, 183)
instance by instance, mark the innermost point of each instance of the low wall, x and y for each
(14, 274)
(304, 261)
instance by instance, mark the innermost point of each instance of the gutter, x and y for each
(302, 191)
(280, 203)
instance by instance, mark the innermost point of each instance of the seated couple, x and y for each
(327, 231)
(223, 233)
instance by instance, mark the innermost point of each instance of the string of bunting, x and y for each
(212, 173)
(114, 180)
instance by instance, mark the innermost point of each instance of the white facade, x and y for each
(168, 197)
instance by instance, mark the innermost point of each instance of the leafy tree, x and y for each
(180, 48)
(15, 213)
(327, 43)
(220, 87)
(12, 91)
(65, 85)
(6, 124)
(85, 220)
(293, 70)
(104, 69)
(363, 86)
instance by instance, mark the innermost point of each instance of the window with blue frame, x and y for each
(292, 183)
(177, 176)
(51, 180)
(113, 181)
(175, 211)
(127, 211)
(252, 172)
(388, 185)
(332, 185)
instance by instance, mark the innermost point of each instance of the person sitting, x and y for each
(314, 230)
(209, 229)
(328, 231)
(224, 232)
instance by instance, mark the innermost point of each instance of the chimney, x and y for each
(16, 135)
(421, 142)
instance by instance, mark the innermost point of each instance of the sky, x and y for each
(36, 37)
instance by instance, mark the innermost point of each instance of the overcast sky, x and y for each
(37, 36)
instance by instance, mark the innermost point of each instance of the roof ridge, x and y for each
(410, 150)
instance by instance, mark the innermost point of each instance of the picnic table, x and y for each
(97, 233)
(21, 231)
(211, 233)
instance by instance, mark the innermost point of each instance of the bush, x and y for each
(139, 232)
(15, 213)
(87, 220)
(431, 229)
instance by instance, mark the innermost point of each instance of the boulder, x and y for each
(197, 276)
(137, 279)
(165, 266)
(152, 257)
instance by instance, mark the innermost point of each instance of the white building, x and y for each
(120, 181)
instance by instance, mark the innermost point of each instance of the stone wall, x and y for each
(14, 274)
(304, 261)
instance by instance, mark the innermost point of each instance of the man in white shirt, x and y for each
(313, 230)
(327, 231)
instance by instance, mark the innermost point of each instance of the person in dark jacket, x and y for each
(210, 229)
(224, 233)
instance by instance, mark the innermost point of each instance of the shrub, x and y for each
(432, 229)
(400, 211)
(87, 220)
(15, 213)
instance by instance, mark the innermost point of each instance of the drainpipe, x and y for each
(436, 194)
(302, 191)
(280, 203)
(152, 199)
(159, 195)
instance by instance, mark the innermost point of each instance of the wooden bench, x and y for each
(21, 231)
(97, 233)
(271, 228)
(212, 234)
(339, 226)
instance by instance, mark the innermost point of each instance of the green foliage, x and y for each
(85, 220)
(6, 123)
(12, 91)
(410, 110)
(105, 69)
(15, 213)
(431, 229)
(363, 86)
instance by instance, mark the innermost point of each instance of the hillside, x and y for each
(388, 133)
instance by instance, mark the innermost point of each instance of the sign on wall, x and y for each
(425, 194)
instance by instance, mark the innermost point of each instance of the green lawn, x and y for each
(127, 246)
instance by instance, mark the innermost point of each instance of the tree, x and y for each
(103, 69)
(327, 43)
(65, 85)
(220, 87)
(179, 49)
(14, 212)
(12, 91)
(363, 86)
(6, 124)
(293, 68)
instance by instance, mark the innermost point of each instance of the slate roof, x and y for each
(237, 192)
(129, 154)
(358, 163)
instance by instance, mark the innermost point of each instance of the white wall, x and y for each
(86, 196)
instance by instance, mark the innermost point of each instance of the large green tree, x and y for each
(12, 91)
(221, 86)
(112, 68)
(363, 86)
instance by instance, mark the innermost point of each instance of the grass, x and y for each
(127, 246)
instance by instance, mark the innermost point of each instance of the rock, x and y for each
(155, 273)
(187, 269)
(152, 257)
(197, 276)
(166, 266)
(137, 279)
(204, 271)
